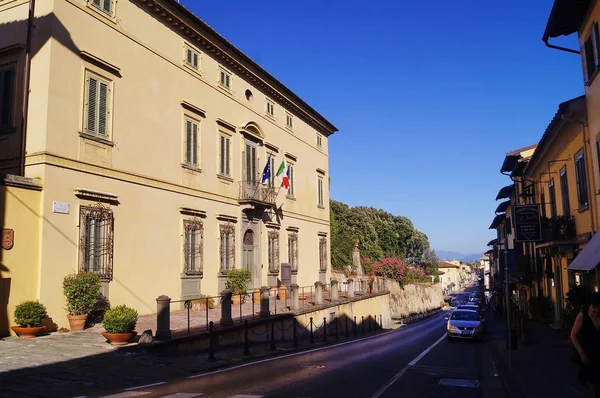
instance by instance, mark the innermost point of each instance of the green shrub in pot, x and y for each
(238, 281)
(30, 314)
(82, 291)
(120, 319)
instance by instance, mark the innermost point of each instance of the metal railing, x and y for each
(254, 191)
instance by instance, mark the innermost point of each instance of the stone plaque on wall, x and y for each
(8, 238)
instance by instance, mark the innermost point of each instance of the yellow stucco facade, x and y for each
(149, 133)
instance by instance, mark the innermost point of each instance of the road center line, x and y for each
(145, 386)
(411, 363)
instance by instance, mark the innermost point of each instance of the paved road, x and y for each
(415, 361)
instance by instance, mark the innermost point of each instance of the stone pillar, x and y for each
(365, 286)
(334, 293)
(226, 319)
(295, 294)
(163, 318)
(264, 302)
(356, 265)
(350, 287)
(318, 293)
(374, 287)
(323, 277)
(221, 279)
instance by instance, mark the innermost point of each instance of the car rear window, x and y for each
(465, 316)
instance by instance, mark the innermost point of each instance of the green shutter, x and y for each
(188, 141)
(92, 104)
(102, 108)
(195, 143)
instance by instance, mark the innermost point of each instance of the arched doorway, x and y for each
(249, 257)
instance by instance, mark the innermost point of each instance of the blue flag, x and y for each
(267, 171)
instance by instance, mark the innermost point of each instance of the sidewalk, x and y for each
(540, 369)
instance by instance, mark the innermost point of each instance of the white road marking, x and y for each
(246, 396)
(145, 386)
(411, 363)
(184, 395)
(304, 352)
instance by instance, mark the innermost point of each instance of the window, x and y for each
(270, 108)
(7, 96)
(552, 194)
(104, 5)
(193, 246)
(590, 53)
(320, 194)
(250, 162)
(289, 121)
(191, 143)
(225, 155)
(543, 202)
(271, 181)
(293, 251)
(273, 245)
(564, 192)
(582, 194)
(227, 249)
(191, 57)
(224, 79)
(96, 225)
(97, 112)
(323, 254)
(291, 177)
(319, 141)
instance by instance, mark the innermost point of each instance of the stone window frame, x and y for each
(293, 250)
(273, 251)
(103, 237)
(193, 257)
(323, 254)
(227, 247)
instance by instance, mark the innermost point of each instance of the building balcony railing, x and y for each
(560, 228)
(257, 194)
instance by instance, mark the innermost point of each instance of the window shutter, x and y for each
(584, 64)
(227, 171)
(103, 108)
(107, 6)
(188, 56)
(195, 143)
(195, 60)
(222, 158)
(97, 3)
(188, 141)
(596, 44)
(92, 105)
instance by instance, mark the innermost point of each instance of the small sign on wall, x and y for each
(60, 207)
(8, 238)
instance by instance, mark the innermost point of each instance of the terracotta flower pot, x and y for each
(282, 292)
(236, 299)
(256, 295)
(28, 333)
(119, 338)
(77, 322)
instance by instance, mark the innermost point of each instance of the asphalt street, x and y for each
(414, 361)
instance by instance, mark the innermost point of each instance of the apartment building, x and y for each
(150, 135)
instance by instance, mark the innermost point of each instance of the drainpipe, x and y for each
(27, 78)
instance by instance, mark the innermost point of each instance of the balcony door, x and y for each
(249, 260)
(250, 162)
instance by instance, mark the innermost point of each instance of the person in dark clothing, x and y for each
(585, 337)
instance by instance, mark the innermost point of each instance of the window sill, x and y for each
(198, 275)
(224, 177)
(191, 167)
(290, 129)
(96, 139)
(272, 117)
(110, 16)
(192, 68)
(321, 207)
(225, 89)
(584, 208)
(290, 197)
(593, 77)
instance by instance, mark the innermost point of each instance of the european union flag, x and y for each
(267, 171)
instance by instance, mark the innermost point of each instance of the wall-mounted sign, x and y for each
(8, 239)
(60, 207)
(528, 226)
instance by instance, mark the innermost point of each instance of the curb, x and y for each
(509, 382)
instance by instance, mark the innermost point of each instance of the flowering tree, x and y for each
(414, 274)
(389, 267)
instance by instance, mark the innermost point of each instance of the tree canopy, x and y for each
(380, 235)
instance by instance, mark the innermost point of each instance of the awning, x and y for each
(588, 257)
(519, 168)
(502, 207)
(505, 192)
(566, 17)
(492, 242)
(497, 221)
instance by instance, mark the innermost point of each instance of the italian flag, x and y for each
(285, 178)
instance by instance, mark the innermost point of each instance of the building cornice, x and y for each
(198, 32)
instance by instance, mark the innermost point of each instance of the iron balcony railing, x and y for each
(254, 191)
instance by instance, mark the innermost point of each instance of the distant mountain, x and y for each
(445, 255)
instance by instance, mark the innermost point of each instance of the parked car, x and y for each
(465, 324)
(469, 306)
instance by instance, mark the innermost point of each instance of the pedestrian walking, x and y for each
(585, 336)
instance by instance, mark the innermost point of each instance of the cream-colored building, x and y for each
(451, 279)
(149, 133)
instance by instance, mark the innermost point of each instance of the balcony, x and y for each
(256, 194)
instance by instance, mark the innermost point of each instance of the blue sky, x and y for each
(428, 96)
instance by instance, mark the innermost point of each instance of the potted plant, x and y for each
(29, 316)
(82, 291)
(238, 281)
(119, 323)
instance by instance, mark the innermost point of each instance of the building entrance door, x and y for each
(249, 257)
